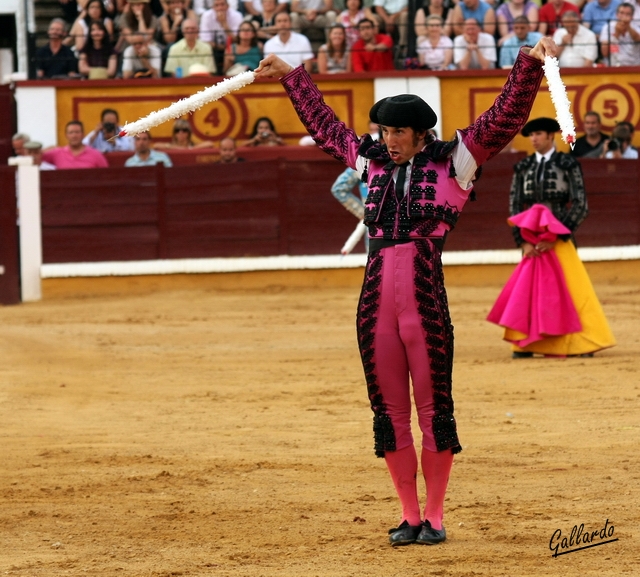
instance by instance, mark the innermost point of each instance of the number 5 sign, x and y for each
(615, 103)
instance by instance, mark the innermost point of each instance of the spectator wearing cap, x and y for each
(189, 51)
(34, 150)
(75, 154)
(145, 155)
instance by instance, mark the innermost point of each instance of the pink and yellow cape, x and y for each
(548, 305)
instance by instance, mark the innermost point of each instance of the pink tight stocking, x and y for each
(436, 468)
(403, 466)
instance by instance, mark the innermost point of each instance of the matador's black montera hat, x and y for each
(403, 110)
(542, 124)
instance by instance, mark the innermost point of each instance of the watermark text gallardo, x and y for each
(579, 539)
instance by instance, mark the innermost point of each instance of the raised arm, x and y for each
(497, 127)
(318, 118)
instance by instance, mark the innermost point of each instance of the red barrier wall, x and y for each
(279, 206)
(9, 260)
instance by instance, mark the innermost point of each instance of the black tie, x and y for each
(400, 179)
(540, 172)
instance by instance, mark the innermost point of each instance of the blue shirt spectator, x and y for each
(522, 36)
(145, 155)
(597, 13)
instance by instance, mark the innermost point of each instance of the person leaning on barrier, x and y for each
(18, 141)
(228, 151)
(34, 150)
(75, 154)
(145, 155)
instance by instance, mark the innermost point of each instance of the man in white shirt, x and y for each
(577, 45)
(473, 49)
(218, 25)
(293, 48)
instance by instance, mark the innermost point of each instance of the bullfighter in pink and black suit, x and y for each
(418, 186)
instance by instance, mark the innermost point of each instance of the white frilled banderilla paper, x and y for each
(558, 94)
(189, 104)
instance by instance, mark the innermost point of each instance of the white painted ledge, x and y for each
(218, 265)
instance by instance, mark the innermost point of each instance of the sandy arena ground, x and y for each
(219, 425)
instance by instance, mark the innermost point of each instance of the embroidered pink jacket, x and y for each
(435, 199)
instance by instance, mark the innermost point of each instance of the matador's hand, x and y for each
(545, 47)
(272, 67)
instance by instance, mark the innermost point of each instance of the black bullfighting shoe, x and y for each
(521, 355)
(404, 534)
(430, 536)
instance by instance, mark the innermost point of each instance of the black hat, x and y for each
(542, 124)
(403, 110)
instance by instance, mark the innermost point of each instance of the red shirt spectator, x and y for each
(373, 51)
(551, 13)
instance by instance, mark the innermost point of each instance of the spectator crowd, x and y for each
(91, 150)
(100, 39)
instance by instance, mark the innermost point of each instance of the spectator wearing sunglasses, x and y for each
(182, 137)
